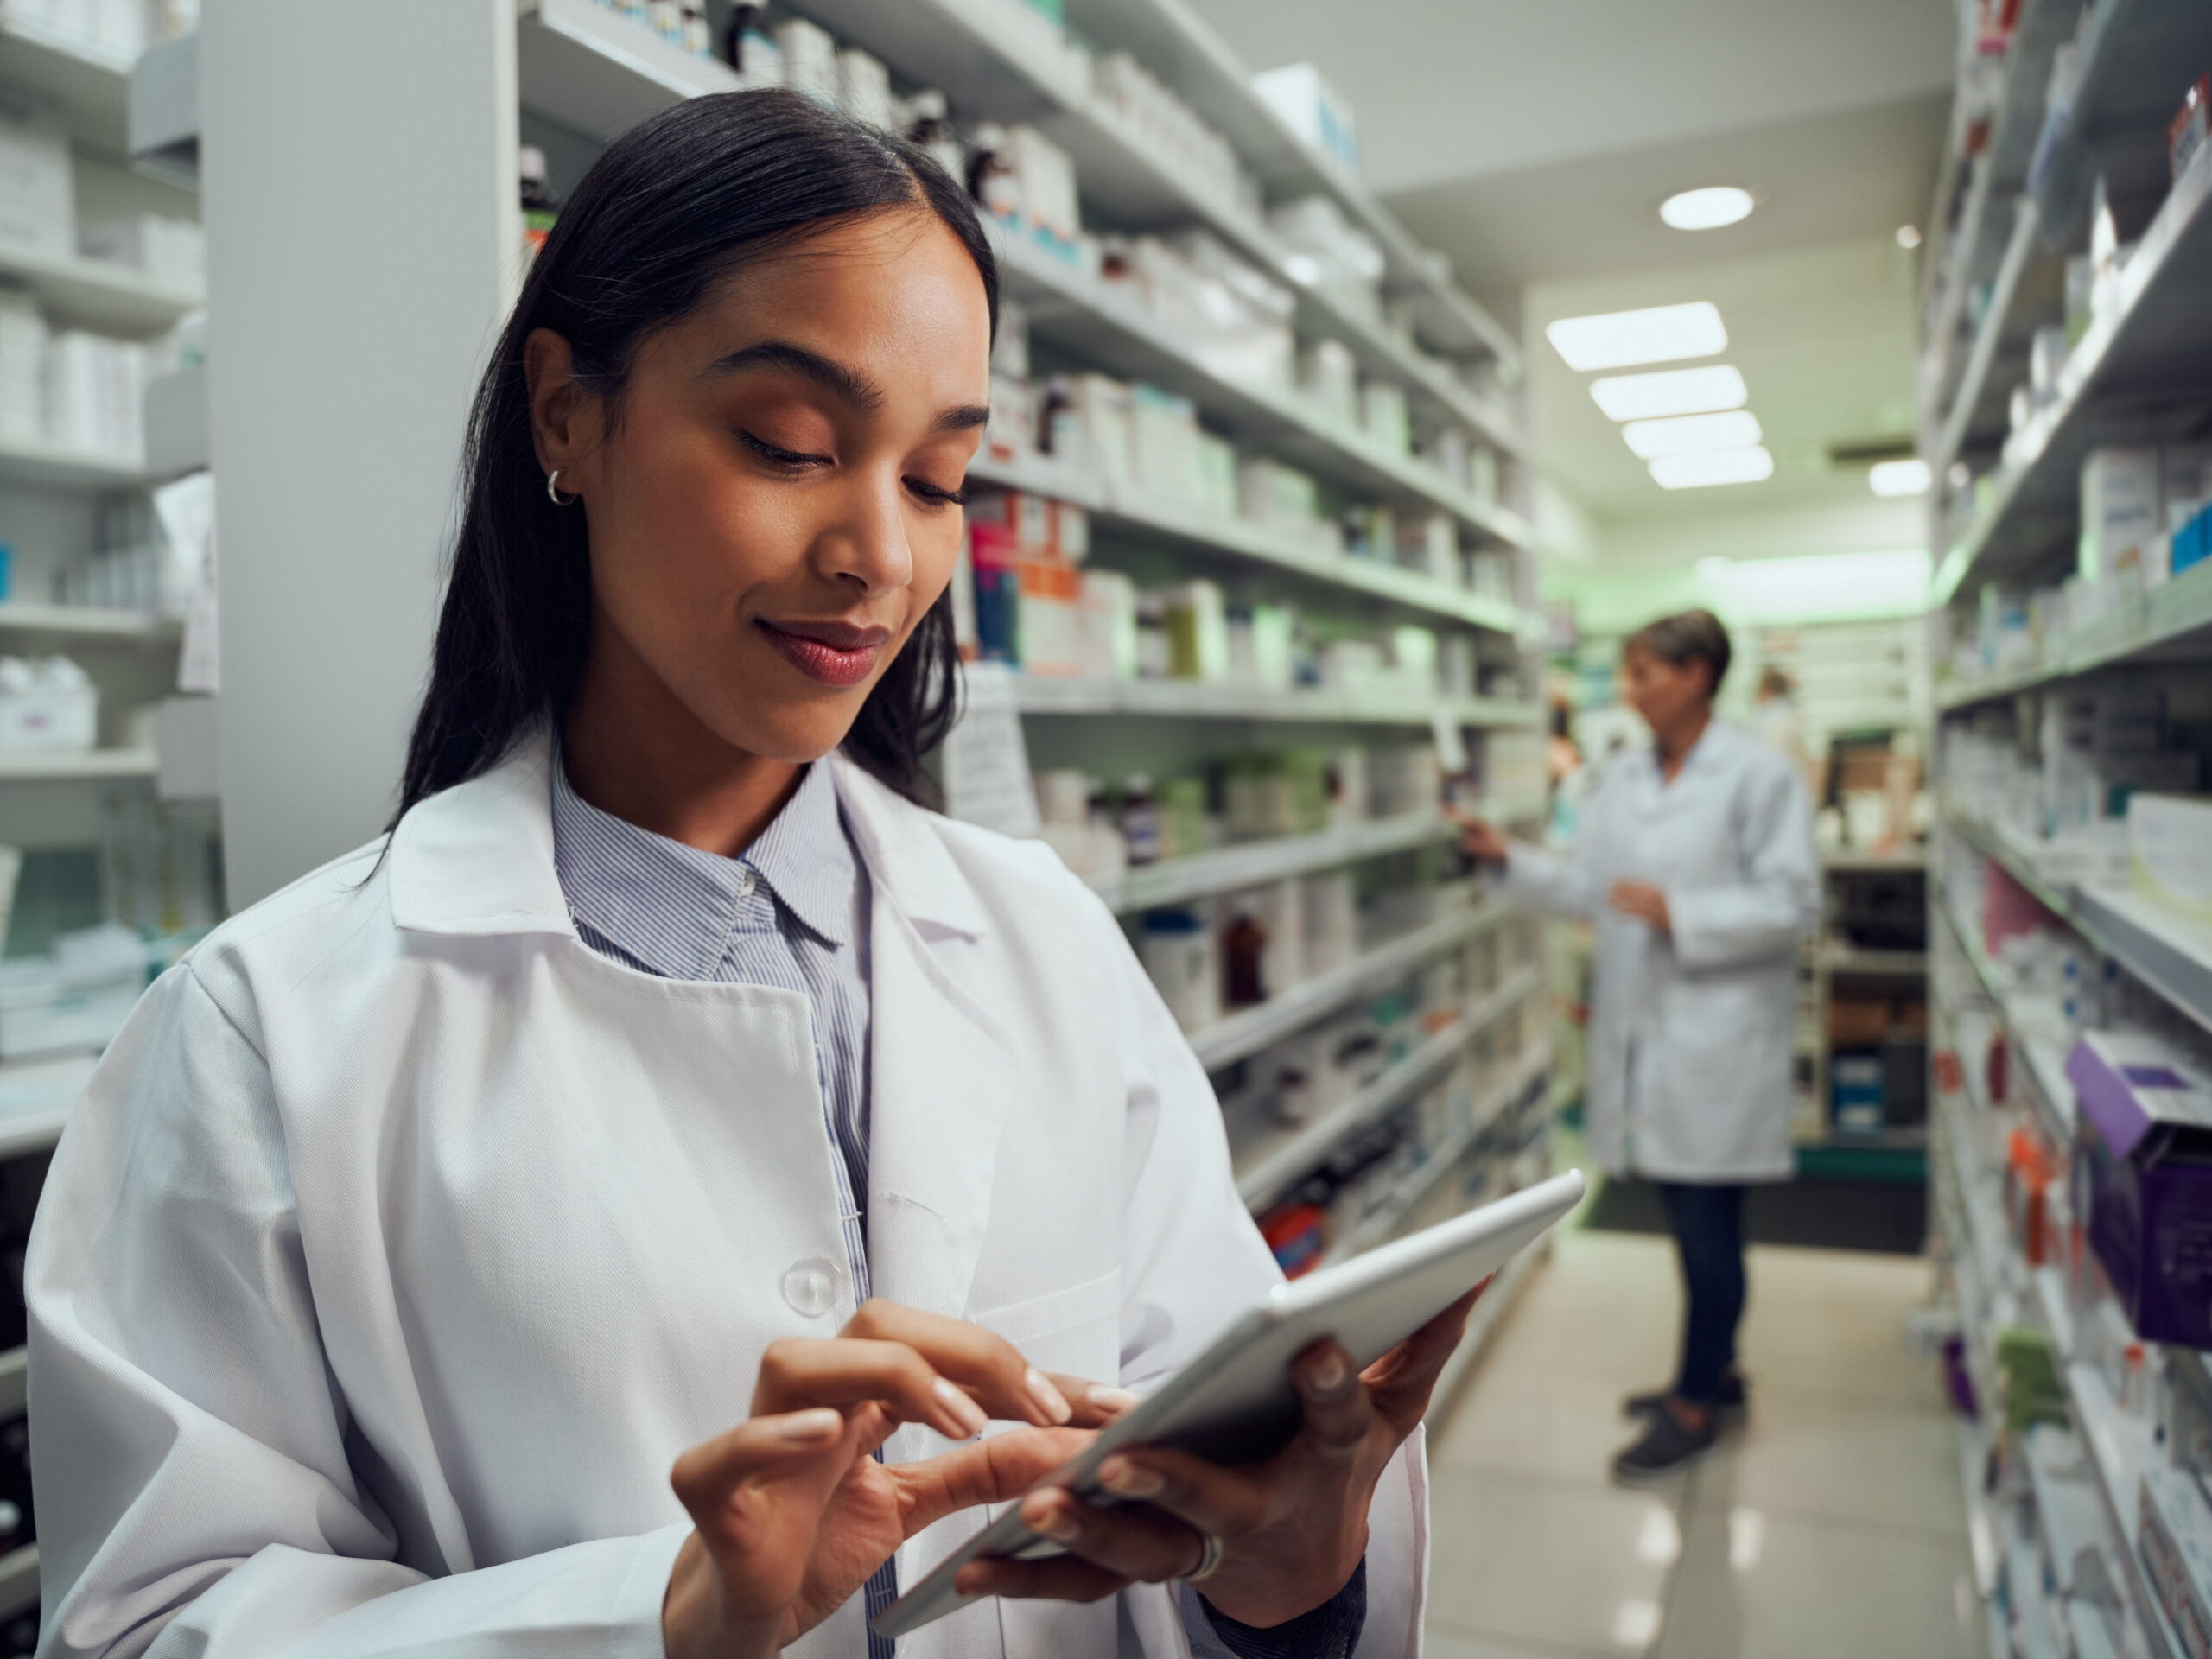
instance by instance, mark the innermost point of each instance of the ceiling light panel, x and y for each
(1691, 435)
(1707, 209)
(1621, 340)
(1670, 391)
(1749, 466)
(1899, 477)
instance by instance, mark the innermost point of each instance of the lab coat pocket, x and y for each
(1076, 1330)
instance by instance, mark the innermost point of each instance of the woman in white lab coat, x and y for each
(424, 1219)
(1695, 860)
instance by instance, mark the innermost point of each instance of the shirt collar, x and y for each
(673, 907)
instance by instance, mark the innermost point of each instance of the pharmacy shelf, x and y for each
(67, 471)
(1172, 40)
(2119, 1449)
(2137, 59)
(1998, 174)
(18, 1580)
(1086, 316)
(1285, 1157)
(1232, 869)
(86, 621)
(1838, 957)
(2042, 1074)
(2136, 376)
(100, 294)
(1971, 395)
(21, 765)
(2170, 954)
(2171, 623)
(1245, 1034)
(1040, 694)
(589, 67)
(1379, 1225)
(1239, 538)
(1009, 67)
(90, 85)
(1856, 863)
(1491, 1313)
(36, 1095)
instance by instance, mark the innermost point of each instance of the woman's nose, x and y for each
(868, 543)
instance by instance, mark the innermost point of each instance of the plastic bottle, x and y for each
(1140, 820)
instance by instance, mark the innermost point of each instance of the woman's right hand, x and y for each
(790, 1512)
(1480, 840)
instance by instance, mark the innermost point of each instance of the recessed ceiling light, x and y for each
(1690, 435)
(1907, 236)
(1620, 339)
(1670, 391)
(1899, 477)
(1715, 466)
(1707, 209)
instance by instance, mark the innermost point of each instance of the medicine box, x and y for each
(1312, 108)
(2145, 1146)
(2175, 1544)
(37, 206)
(2169, 850)
(2119, 507)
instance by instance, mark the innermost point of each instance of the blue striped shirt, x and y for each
(791, 911)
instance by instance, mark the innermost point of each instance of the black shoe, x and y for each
(1731, 1403)
(1669, 1447)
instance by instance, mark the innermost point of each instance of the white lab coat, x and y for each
(1689, 1041)
(401, 1242)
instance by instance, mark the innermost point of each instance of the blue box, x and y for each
(1855, 1093)
(2191, 543)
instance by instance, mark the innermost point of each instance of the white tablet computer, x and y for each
(1234, 1402)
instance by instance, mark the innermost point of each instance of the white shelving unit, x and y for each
(2140, 374)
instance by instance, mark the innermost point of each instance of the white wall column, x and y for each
(358, 163)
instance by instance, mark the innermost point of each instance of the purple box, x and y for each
(2145, 1134)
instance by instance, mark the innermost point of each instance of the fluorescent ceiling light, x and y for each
(1690, 435)
(1899, 477)
(1707, 209)
(1620, 339)
(1907, 236)
(1670, 391)
(1715, 466)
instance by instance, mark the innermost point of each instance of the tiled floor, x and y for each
(1831, 1527)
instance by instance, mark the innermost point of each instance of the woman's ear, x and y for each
(564, 418)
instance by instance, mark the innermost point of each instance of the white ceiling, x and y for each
(1533, 140)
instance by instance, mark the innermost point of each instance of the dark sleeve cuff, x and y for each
(1329, 1631)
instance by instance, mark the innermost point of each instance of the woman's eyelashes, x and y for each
(783, 460)
(936, 495)
(794, 463)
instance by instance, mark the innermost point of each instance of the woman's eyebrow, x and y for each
(964, 418)
(847, 385)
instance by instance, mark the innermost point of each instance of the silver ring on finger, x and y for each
(1211, 1549)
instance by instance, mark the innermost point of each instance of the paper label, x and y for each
(985, 762)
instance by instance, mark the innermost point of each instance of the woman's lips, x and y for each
(832, 653)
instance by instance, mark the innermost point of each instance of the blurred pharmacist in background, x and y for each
(1694, 859)
(1777, 722)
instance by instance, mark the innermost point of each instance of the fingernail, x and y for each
(1051, 1519)
(1050, 1400)
(1127, 1479)
(962, 1410)
(823, 1424)
(1328, 1373)
(1107, 1397)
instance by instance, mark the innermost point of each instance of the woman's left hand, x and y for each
(1641, 900)
(1291, 1528)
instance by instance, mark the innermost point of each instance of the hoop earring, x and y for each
(553, 490)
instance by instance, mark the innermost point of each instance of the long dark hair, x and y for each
(675, 204)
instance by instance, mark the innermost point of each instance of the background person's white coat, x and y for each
(401, 1242)
(1689, 1039)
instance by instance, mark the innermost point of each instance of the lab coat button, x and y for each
(745, 879)
(811, 1287)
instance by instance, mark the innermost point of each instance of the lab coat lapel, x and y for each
(941, 1078)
